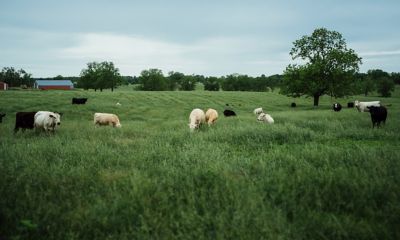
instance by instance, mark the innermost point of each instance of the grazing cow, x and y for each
(47, 120)
(293, 104)
(196, 118)
(24, 120)
(350, 104)
(1, 116)
(229, 113)
(106, 119)
(211, 116)
(378, 115)
(362, 106)
(337, 107)
(263, 117)
(79, 100)
(258, 111)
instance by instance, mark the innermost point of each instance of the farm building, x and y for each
(3, 86)
(54, 84)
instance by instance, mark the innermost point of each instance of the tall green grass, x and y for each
(314, 174)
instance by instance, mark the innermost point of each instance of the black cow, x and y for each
(378, 115)
(24, 120)
(293, 104)
(79, 100)
(229, 113)
(350, 104)
(337, 107)
(1, 116)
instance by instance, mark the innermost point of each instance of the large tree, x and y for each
(328, 66)
(101, 76)
(153, 80)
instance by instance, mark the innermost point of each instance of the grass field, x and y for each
(314, 174)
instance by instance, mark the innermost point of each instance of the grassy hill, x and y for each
(314, 174)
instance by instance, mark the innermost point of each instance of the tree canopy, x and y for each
(101, 76)
(154, 80)
(329, 66)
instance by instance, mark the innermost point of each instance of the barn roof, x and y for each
(54, 83)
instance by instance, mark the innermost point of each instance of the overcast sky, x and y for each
(48, 38)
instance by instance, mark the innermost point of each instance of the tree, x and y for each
(386, 86)
(16, 78)
(174, 79)
(274, 81)
(329, 66)
(188, 83)
(377, 74)
(364, 83)
(383, 80)
(152, 80)
(395, 77)
(100, 76)
(211, 84)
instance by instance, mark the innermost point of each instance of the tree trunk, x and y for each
(316, 100)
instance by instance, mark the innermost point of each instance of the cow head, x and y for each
(57, 117)
(193, 126)
(261, 117)
(372, 109)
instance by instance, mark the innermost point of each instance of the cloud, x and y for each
(380, 53)
(209, 56)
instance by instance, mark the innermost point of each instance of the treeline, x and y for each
(105, 75)
(154, 80)
(376, 80)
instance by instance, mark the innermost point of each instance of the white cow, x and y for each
(106, 119)
(211, 116)
(362, 106)
(196, 118)
(47, 120)
(258, 111)
(263, 117)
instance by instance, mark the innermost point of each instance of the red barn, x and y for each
(54, 84)
(3, 86)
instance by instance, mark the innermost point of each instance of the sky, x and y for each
(212, 38)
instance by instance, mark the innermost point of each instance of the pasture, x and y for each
(314, 174)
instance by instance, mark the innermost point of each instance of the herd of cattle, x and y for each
(377, 111)
(48, 121)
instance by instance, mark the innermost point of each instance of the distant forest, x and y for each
(155, 80)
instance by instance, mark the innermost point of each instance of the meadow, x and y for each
(314, 174)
